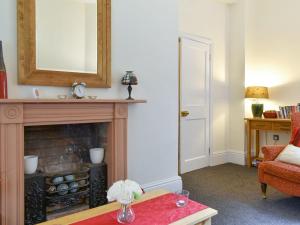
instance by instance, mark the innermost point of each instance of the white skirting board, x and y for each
(172, 184)
(175, 183)
(236, 157)
(230, 156)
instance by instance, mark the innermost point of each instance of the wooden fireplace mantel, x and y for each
(15, 114)
(57, 101)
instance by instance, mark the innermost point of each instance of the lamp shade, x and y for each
(257, 92)
(129, 78)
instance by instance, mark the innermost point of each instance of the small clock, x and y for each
(79, 90)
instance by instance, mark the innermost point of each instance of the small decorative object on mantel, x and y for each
(257, 92)
(125, 192)
(3, 76)
(92, 97)
(62, 96)
(129, 79)
(79, 90)
(36, 93)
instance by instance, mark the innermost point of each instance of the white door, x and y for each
(195, 66)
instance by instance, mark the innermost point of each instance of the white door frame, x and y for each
(208, 42)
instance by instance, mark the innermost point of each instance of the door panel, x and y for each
(194, 124)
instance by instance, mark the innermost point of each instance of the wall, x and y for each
(237, 80)
(144, 38)
(270, 58)
(273, 52)
(209, 19)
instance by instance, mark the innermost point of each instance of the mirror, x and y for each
(66, 35)
(63, 41)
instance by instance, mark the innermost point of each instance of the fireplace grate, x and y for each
(46, 199)
(60, 204)
(67, 189)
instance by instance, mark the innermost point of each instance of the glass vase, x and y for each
(126, 214)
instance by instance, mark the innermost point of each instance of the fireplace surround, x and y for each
(16, 114)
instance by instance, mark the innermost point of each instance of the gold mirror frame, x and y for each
(30, 75)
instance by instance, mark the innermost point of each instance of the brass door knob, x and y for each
(184, 113)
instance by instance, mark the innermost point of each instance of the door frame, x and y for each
(208, 42)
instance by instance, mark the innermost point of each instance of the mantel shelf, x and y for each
(66, 101)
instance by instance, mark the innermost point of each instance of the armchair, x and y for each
(282, 176)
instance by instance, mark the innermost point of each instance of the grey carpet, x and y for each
(235, 192)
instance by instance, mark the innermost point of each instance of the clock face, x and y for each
(79, 91)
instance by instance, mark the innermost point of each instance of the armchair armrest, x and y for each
(272, 151)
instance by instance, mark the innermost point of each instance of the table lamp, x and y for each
(257, 92)
(129, 79)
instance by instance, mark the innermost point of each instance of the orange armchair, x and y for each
(282, 176)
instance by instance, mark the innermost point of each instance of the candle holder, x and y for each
(129, 79)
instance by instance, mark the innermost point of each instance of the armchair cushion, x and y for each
(291, 155)
(280, 169)
(271, 152)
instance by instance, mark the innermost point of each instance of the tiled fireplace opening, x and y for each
(66, 181)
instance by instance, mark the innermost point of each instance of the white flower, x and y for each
(124, 191)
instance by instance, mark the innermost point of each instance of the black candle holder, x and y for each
(129, 79)
(129, 92)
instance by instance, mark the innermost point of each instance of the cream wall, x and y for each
(144, 38)
(237, 78)
(272, 48)
(273, 52)
(209, 19)
(271, 58)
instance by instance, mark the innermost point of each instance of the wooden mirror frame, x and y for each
(30, 75)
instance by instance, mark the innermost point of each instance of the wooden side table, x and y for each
(258, 124)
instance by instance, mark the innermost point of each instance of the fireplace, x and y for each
(20, 117)
(66, 181)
